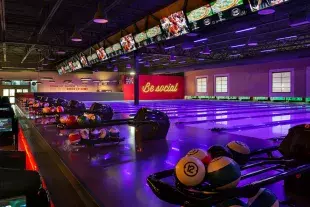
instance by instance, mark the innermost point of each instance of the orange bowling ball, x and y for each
(46, 110)
(71, 120)
(63, 119)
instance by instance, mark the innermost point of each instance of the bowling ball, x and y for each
(84, 133)
(46, 110)
(82, 120)
(218, 151)
(103, 133)
(71, 120)
(263, 197)
(46, 104)
(223, 173)
(200, 154)
(88, 115)
(53, 109)
(114, 132)
(63, 119)
(95, 133)
(74, 138)
(240, 152)
(60, 109)
(94, 119)
(190, 171)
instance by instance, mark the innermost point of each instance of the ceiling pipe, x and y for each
(3, 27)
(47, 21)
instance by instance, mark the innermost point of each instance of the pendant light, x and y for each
(76, 37)
(99, 18)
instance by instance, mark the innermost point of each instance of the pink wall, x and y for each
(59, 86)
(251, 80)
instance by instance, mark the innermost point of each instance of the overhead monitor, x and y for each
(93, 58)
(115, 50)
(257, 5)
(5, 125)
(174, 25)
(215, 12)
(141, 39)
(154, 34)
(196, 17)
(128, 43)
(84, 60)
(101, 54)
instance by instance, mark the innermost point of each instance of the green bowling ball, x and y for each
(82, 120)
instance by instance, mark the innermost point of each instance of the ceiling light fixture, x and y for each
(147, 64)
(181, 62)
(99, 17)
(201, 40)
(115, 69)
(167, 48)
(76, 37)
(236, 46)
(286, 38)
(265, 51)
(60, 52)
(245, 30)
(132, 73)
(128, 66)
(86, 79)
(44, 63)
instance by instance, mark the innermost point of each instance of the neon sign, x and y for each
(170, 88)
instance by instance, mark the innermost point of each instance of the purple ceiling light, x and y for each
(245, 30)
(201, 40)
(266, 51)
(236, 46)
(287, 38)
(99, 18)
(115, 69)
(76, 37)
(181, 62)
(128, 66)
(266, 11)
(60, 52)
(252, 42)
(168, 48)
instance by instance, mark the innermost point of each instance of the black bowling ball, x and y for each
(218, 151)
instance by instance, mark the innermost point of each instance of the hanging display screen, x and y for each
(174, 25)
(84, 61)
(101, 54)
(257, 5)
(128, 43)
(215, 12)
(93, 58)
(141, 39)
(154, 35)
(114, 50)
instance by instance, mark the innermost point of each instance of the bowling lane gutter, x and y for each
(229, 113)
(244, 117)
(264, 125)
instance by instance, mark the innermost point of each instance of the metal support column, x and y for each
(136, 77)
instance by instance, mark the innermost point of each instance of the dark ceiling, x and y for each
(32, 29)
(27, 39)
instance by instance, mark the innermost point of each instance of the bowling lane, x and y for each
(267, 132)
(247, 121)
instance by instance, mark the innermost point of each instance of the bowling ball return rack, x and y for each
(149, 125)
(204, 195)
